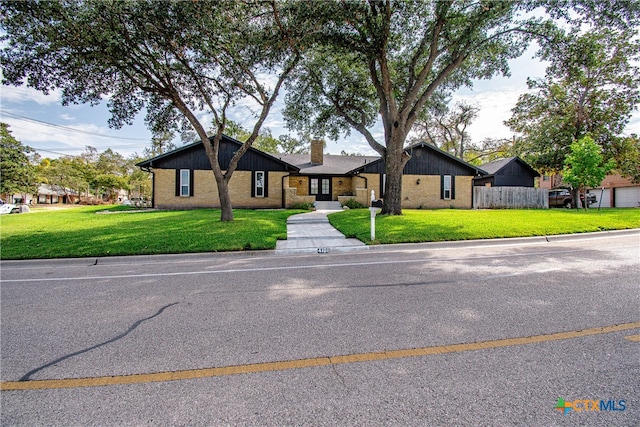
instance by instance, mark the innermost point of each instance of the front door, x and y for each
(320, 187)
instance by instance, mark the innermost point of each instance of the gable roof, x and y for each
(450, 159)
(496, 166)
(224, 155)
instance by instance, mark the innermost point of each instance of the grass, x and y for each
(83, 232)
(451, 224)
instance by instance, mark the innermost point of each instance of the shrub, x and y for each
(353, 204)
(302, 205)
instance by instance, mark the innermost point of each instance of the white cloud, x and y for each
(495, 108)
(22, 94)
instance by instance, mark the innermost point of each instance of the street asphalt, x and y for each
(458, 333)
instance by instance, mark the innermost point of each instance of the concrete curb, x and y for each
(195, 257)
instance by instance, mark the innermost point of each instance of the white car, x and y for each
(8, 208)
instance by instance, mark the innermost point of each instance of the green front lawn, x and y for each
(82, 232)
(453, 224)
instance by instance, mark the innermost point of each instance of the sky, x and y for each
(41, 122)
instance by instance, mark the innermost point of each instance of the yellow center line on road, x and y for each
(306, 363)
(635, 338)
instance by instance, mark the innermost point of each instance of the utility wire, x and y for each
(53, 125)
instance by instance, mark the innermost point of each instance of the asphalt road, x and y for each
(444, 334)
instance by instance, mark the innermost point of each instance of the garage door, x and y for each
(627, 197)
(605, 196)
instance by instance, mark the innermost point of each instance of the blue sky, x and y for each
(41, 122)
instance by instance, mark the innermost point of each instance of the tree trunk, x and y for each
(226, 210)
(395, 158)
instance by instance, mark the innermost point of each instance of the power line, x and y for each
(53, 125)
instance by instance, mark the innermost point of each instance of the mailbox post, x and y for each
(374, 208)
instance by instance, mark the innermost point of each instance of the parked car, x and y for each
(7, 208)
(562, 197)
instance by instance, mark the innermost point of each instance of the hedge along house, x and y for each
(183, 179)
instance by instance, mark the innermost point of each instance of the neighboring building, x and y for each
(510, 172)
(614, 191)
(183, 178)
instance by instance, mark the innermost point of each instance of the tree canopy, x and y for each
(591, 87)
(18, 174)
(179, 60)
(385, 61)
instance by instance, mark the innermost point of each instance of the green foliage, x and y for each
(110, 184)
(386, 61)
(18, 175)
(591, 87)
(447, 128)
(628, 157)
(265, 140)
(177, 60)
(353, 204)
(416, 226)
(302, 205)
(84, 232)
(584, 166)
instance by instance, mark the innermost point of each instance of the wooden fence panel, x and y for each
(510, 198)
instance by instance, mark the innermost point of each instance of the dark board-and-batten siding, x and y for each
(195, 157)
(426, 162)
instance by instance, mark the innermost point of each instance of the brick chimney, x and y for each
(317, 148)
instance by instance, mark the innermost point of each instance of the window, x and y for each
(185, 182)
(313, 186)
(447, 187)
(259, 184)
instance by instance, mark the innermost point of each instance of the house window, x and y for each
(313, 189)
(185, 182)
(446, 187)
(259, 184)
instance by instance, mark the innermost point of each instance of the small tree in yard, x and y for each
(584, 166)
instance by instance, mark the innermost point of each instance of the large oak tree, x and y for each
(385, 60)
(184, 62)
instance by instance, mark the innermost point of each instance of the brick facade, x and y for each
(205, 191)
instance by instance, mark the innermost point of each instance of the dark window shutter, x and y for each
(266, 184)
(177, 182)
(253, 183)
(191, 181)
(441, 186)
(453, 187)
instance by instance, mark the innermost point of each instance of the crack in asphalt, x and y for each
(27, 376)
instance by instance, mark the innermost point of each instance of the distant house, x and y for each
(510, 172)
(182, 178)
(614, 190)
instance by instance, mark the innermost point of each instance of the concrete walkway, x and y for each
(312, 233)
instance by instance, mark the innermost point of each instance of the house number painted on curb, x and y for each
(323, 250)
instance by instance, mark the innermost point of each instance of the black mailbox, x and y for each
(376, 203)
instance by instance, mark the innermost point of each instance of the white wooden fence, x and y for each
(510, 198)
